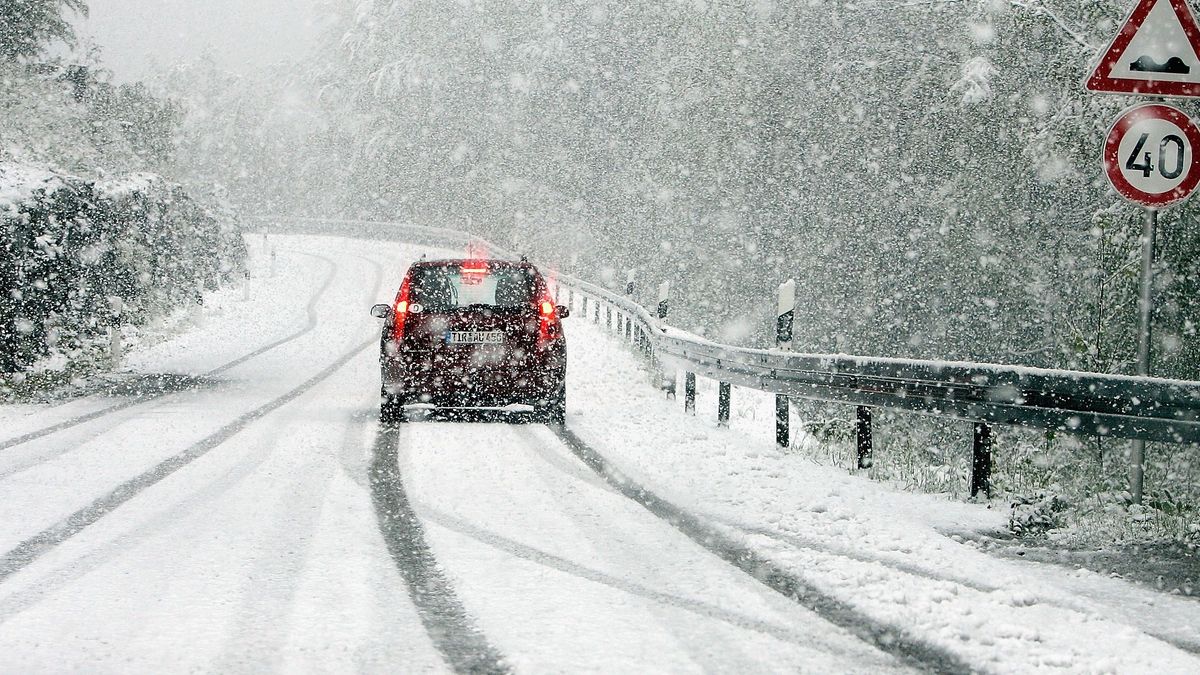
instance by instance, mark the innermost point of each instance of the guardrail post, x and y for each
(689, 392)
(583, 301)
(628, 329)
(608, 318)
(783, 340)
(862, 430)
(981, 460)
(783, 436)
(723, 404)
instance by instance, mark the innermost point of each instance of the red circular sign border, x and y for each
(1112, 145)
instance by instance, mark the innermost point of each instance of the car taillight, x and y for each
(400, 312)
(548, 326)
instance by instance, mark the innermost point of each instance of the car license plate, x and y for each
(474, 337)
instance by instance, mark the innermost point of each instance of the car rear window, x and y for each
(448, 287)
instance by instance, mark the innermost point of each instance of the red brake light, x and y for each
(401, 311)
(548, 327)
(473, 272)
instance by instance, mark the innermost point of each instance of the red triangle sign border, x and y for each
(1098, 81)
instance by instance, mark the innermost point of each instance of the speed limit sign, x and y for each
(1150, 155)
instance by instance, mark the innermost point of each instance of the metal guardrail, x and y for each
(1152, 409)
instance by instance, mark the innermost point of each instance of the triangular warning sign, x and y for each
(1156, 53)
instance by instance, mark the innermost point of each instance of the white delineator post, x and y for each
(630, 288)
(115, 343)
(664, 308)
(784, 317)
(114, 346)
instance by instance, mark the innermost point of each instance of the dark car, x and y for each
(473, 334)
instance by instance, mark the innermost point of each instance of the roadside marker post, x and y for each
(784, 317)
(630, 287)
(115, 347)
(667, 375)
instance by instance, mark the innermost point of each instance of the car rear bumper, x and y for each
(419, 381)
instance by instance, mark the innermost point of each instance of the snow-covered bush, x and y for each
(77, 257)
(1037, 513)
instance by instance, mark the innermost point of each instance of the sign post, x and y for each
(1151, 158)
(1137, 453)
(1150, 154)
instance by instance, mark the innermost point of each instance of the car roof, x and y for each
(490, 262)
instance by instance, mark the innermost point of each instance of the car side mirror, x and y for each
(381, 311)
(563, 311)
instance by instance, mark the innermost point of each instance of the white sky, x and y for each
(136, 35)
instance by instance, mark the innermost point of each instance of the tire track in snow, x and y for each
(805, 543)
(34, 461)
(889, 639)
(165, 390)
(461, 643)
(214, 491)
(41, 543)
(551, 561)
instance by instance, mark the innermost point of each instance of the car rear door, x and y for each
(473, 315)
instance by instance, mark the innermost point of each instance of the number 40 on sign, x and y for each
(1150, 156)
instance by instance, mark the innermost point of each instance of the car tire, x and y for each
(554, 410)
(391, 409)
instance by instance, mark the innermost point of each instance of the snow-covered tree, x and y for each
(28, 27)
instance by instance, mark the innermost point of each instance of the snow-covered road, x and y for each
(231, 503)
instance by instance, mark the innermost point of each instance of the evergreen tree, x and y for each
(28, 27)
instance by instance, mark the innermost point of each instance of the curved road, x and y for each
(261, 518)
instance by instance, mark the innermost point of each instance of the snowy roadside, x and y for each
(890, 554)
(261, 555)
(287, 274)
(189, 340)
